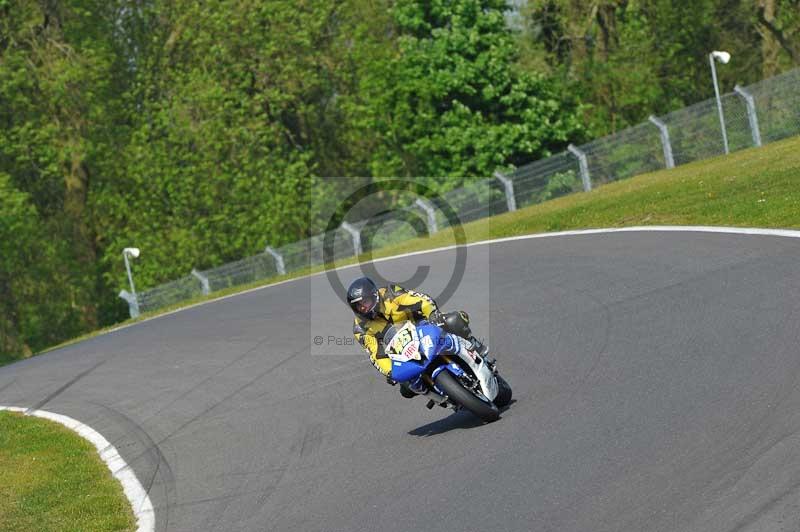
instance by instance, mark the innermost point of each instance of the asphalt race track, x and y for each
(655, 378)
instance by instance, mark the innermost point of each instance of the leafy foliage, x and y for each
(33, 313)
(450, 105)
(628, 59)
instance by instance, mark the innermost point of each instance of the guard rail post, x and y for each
(669, 160)
(356, 235)
(133, 303)
(583, 164)
(203, 281)
(752, 116)
(279, 265)
(430, 212)
(508, 185)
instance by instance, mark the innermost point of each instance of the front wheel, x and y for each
(503, 393)
(488, 412)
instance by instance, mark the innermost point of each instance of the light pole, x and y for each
(723, 58)
(132, 253)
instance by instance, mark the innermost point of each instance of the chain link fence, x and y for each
(632, 151)
(777, 104)
(237, 273)
(545, 179)
(166, 294)
(480, 199)
(393, 227)
(760, 113)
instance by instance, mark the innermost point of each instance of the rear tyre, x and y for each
(488, 412)
(503, 393)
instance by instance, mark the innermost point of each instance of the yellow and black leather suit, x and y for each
(396, 305)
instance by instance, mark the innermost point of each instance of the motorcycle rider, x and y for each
(376, 309)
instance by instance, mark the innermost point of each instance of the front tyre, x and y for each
(488, 412)
(503, 393)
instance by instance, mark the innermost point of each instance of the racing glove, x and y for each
(436, 317)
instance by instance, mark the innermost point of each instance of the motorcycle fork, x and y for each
(436, 397)
(449, 360)
(428, 379)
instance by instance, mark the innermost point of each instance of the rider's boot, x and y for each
(406, 392)
(413, 388)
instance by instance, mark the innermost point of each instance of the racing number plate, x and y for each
(404, 346)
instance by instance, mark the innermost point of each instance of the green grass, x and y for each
(52, 479)
(749, 188)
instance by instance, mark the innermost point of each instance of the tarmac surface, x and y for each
(655, 380)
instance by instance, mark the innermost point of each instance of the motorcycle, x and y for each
(457, 380)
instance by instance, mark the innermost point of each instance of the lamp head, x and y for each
(131, 252)
(722, 57)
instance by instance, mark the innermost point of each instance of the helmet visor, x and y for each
(366, 304)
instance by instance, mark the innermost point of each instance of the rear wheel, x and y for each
(458, 394)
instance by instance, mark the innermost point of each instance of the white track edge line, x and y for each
(789, 233)
(137, 496)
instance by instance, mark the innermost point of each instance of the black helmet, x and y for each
(363, 298)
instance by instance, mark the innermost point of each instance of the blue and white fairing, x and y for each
(413, 348)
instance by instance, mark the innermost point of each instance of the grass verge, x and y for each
(52, 479)
(750, 188)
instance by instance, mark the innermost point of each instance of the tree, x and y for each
(449, 104)
(33, 313)
(778, 23)
(626, 60)
(58, 76)
(218, 164)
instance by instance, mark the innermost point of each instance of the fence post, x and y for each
(508, 185)
(203, 281)
(669, 160)
(278, 260)
(133, 303)
(430, 212)
(752, 116)
(356, 234)
(583, 164)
